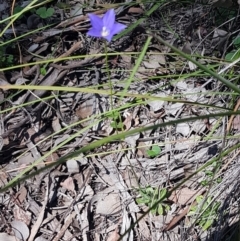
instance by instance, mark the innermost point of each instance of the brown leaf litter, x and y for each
(93, 196)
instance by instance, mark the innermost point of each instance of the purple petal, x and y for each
(94, 33)
(117, 27)
(96, 21)
(109, 19)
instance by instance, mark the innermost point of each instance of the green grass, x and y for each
(155, 200)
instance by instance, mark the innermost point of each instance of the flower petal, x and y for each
(109, 37)
(94, 33)
(96, 21)
(117, 27)
(109, 19)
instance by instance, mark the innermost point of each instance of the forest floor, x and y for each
(120, 140)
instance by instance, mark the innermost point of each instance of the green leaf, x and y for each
(116, 125)
(205, 207)
(160, 209)
(209, 199)
(209, 173)
(209, 211)
(155, 151)
(219, 180)
(163, 193)
(199, 199)
(216, 205)
(233, 55)
(154, 211)
(120, 125)
(191, 213)
(206, 214)
(50, 11)
(18, 9)
(140, 201)
(142, 191)
(207, 224)
(167, 207)
(150, 153)
(147, 199)
(9, 59)
(149, 190)
(144, 195)
(155, 194)
(43, 12)
(229, 56)
(43, 71)
(115, 115)
(143, 200)
(204, 183)
(150, 195)
(236, 42)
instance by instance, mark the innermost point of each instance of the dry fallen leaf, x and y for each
(3, 179)
(68, 184)
(183, 196)
(132, 140)
(3, 80)
(143, 227)
(21, 194)
(6, 237)
(236, 123)
(108, 202)
(172, 109)
(155, 61)
(40, 239)
(142, 148)
(135, 10)
(73, 166)
(56, 124)
(21, 215)
(187, 49)
(128, 120)
(157, 104)
(114, 236)
(183, 128)
(85, 110)
(20, 230)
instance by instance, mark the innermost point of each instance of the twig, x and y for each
(38, 223)
(232, 117)
(65, 226)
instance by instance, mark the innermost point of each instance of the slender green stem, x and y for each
(109, 76)
(118, 137)
(186, 56)
(112, 105)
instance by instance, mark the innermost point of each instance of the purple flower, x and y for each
(106, 26)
